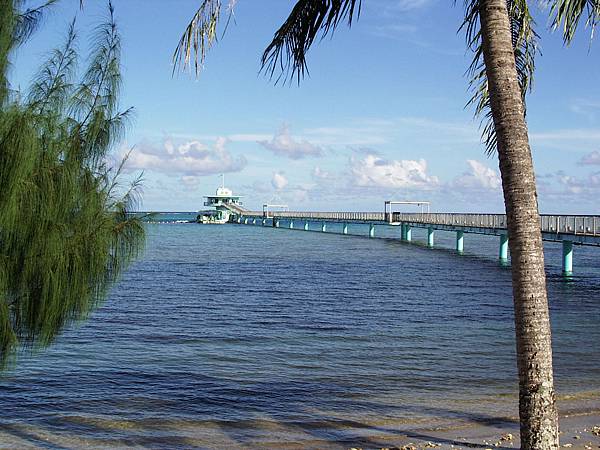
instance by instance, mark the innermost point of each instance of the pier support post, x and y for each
(291, 224)
(246, 221)
(371, 230)
(239, 220)
(253, 221)
(503, 252)
(459, 242)
(402, 232)
(408, 233)
(430, 232)
(567, 260)
(263, 222)
(276, 223)
(306, 226)
(323, 227)
(345, 228)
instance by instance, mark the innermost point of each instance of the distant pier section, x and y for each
(567, 229)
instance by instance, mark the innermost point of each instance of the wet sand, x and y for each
(580, 429)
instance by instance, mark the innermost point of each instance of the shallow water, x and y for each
(227, 336)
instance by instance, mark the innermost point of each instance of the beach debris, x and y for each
(595, 431)
(432, 445)
(508, 437)
(576, 437)
(409, 446)
(567, 445)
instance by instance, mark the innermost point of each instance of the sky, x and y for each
(381, 115)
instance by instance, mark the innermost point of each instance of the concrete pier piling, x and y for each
(567, 258)
(569, 230)
(430, 237)
(460, 246)
(503, 251)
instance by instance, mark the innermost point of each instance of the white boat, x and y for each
(225, 203)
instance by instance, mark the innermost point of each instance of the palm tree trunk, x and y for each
(537, 409)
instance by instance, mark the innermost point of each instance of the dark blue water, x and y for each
(231, 336)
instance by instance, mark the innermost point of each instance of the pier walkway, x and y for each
(567, 229)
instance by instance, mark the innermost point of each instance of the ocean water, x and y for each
(246, 336)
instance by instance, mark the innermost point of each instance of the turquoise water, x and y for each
(231, 336)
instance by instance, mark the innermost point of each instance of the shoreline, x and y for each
(580, 430)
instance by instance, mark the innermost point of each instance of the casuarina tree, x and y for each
(66, 232)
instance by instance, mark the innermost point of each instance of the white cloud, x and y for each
(369, 131)
(192, 158)
(561, 183)
(372, 170)
(283, 144)
(190, 181)
(247, 137)
(407, 5)
(591, 159)
(401, 6)
(569, 194)
(320, 174)
(586, 107)
(279, 181)
(393, 30)
(569, 134)
(478, 176)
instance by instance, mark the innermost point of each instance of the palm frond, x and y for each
(525, 46)
(287, 51)
(199, 36)
(568, 14)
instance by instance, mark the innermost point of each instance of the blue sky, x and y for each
(380, 117)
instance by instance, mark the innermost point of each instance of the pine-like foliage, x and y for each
(65, 229)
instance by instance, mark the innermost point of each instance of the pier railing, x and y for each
(568, 229)
(453, 219)
(364, 216)
(572, 224)
(558, 224)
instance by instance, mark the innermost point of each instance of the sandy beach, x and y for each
(579, 430)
